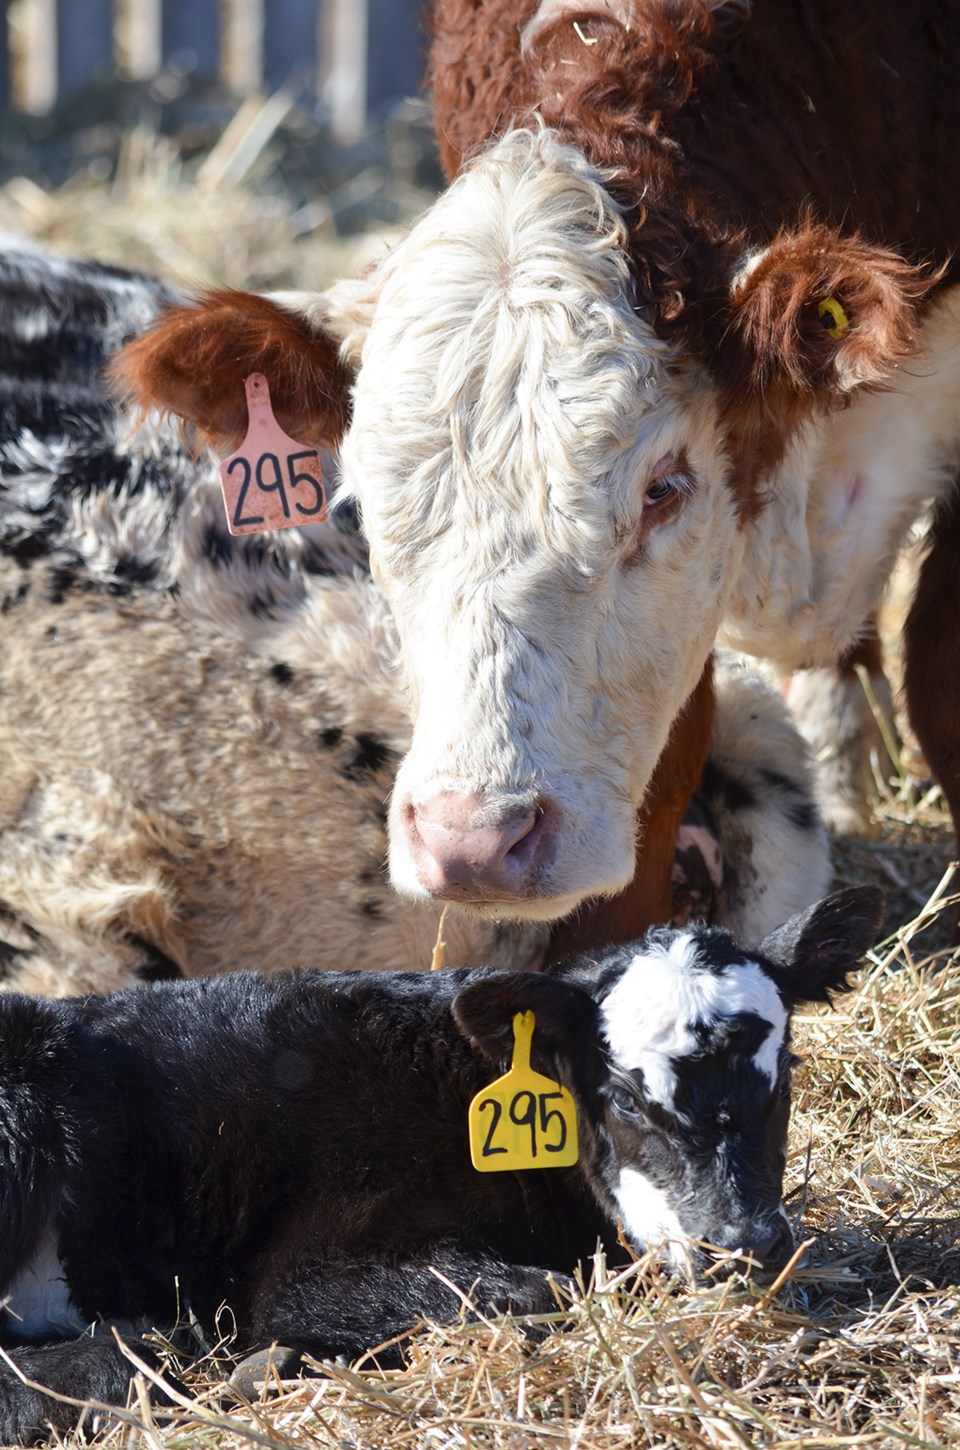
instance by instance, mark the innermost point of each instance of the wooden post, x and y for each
(241, 46)
(344, 66)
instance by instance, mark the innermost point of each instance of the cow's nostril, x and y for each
(467, 848)
(768, 1245)
(523, 850)
(774, 1249)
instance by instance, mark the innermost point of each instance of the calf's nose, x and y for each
(769, 1243)
(466, 848)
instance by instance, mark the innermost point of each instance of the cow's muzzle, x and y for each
(472, 849)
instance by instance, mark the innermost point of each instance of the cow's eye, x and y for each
(669, 480)
(669, 483)
(661, 488)
(623, 1099)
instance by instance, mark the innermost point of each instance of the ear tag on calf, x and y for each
(272, 481)
(833, 317)
(523, 1120)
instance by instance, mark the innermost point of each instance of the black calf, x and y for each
(297, 1147)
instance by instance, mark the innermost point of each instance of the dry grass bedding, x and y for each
(859, 1345)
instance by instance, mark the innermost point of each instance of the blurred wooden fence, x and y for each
(357, 56)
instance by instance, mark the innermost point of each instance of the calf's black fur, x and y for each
(297, 1149)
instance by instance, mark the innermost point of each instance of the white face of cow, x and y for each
(544, 490)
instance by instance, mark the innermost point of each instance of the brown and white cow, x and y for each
(199, 732)
(675, 355)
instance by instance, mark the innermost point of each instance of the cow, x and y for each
(673, 356)
(200, 732)
(297, 1146)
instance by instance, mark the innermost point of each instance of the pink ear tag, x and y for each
(272, 481)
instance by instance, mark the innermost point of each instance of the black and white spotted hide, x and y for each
(297, 1148)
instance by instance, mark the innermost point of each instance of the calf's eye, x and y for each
(668, 485)
(623, 1100)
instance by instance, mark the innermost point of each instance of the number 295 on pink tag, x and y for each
(272, 481)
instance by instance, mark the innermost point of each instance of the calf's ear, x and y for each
(817, 312)
(814, 953)
(566, 1018)
(193, 360)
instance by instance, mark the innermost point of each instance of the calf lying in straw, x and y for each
(200, 733)
(298, 1146)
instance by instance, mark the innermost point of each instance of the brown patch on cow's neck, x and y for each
(647, 901)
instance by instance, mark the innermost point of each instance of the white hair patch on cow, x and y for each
(509, 415)
(650, 1018)
(38, 1301)
(648, 1217)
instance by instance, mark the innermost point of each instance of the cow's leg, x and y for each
(80, 1369)
(834, 716)
(648, 900)
(338, 1303)
(932, 656)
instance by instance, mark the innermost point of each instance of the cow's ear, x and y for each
(566, 1017)
(818, 313)
(814, 952)
(345, 310)
(195, 357)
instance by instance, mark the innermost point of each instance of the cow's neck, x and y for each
(840, 503)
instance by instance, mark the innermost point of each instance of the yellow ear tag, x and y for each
(833, 317)
(523, 1120)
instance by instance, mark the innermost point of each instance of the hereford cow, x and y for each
(674, 354)
(200, 733)
(298, 1147)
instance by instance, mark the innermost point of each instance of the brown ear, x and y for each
(194, 359)
(777, 338)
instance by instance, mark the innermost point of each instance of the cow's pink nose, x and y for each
(466, 849)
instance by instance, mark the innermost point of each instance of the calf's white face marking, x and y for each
(650, 1017)
(516, 430)
(685, 1184)
(649, 1217)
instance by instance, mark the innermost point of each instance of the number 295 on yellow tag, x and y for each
(524, 1119)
